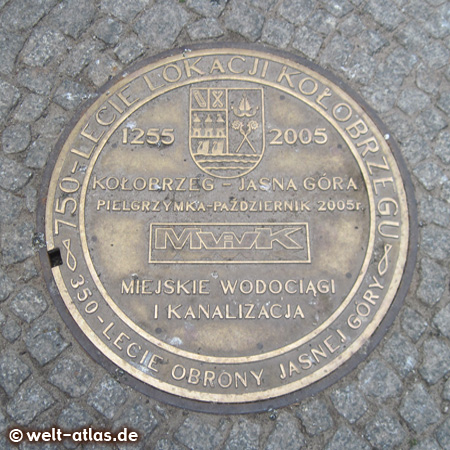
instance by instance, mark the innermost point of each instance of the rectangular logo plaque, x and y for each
(219, 243)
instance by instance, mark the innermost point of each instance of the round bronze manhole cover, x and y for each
(228, 226)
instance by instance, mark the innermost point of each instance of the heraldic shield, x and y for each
(226, 130)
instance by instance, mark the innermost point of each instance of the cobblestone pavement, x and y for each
(395, 53)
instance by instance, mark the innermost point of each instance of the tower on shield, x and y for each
(226, 130)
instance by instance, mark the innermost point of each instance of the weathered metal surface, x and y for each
(233, 227)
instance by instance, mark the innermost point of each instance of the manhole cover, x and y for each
(228, 226)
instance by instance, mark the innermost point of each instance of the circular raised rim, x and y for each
(260, 405)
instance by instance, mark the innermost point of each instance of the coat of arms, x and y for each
(226, 132)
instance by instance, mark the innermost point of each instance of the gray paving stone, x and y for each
(444, 102)
(13, 16)
(30, 202)
(435, 55)
(442, 146)
(400, 127)
(438, 24)
(10, 208)
(11, 330)
(442, 321)
(30, 401)
(6, 445)
(419, 410)
(296, 11)
(13, 175)
(244, 434)
(28, 304)
(44, 341)
(109, 30)
(337, 52)
(426, 80)
(13, 372)
(166, 444)
(412, 36)
(11, 45)
(103, 69)
(129, 49)
(28, 270)
(81, 56)
(196, 432)
(400, 62)
(430, 122)
(360, 68)
(412, 100)
(286, 434)
(433, 282)
(418, 9)
(3, 422)
(430, 175)
(349, 402)
(43, 47)
(344, 438)
(338, 8)
(161, 25)
(322, 22)
(315, 416)
(74, 417)
(213, 9)
(38, 153)
(277, 33)
(432, 210)
(71, 376)
(125, 10)
(18, 243)
(265, 5)
(38, 80)
(435, 2)
(352, 26)
(31, 108)
(16, 138)
(427, 444)
(385, 13)
(445, 191)
(6, 284)
(307, 41)
(373, 41)
(9, 96)
(381, 97)
(401, 354)
(43, 445)
(205, 28)
(141, 419)
(446, 392)
(73, 17)
(245, 20)
(415, 149)
(53, 123)
(377, 380)
(436, 242)
(70, 94)
(436, 360)
(107, 397)
(443, 434)
(384, 431)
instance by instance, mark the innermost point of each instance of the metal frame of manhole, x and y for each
(256, 406)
